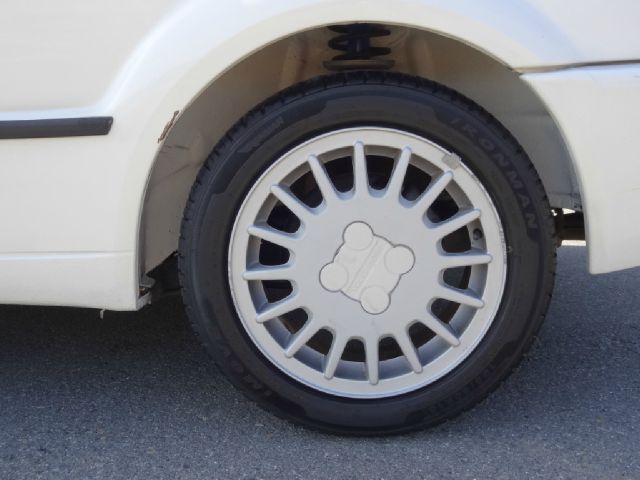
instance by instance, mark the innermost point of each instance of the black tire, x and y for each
(365, 99)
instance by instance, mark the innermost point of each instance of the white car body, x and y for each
(85, 217)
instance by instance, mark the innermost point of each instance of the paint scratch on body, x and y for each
(168, 126)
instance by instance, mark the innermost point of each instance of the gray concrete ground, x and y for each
(134, 396)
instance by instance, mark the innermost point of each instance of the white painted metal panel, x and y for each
(140, 61)
(598, 110)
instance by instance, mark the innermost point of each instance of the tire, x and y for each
(515, 221)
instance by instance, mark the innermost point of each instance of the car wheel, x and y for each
(367, 253)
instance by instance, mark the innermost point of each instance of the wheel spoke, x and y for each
(285, 240)
(456, 295)
(394, 187)
(459, 220)
(465, 259)
(325, 184)
(435, 188)
(372, 360)
(409, 351)
(292, 202)
(334, 355)
(268, 272)
(301, 337)
(273, 310)
(360, 176)
(440, 328)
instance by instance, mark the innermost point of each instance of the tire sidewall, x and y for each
(487, 150)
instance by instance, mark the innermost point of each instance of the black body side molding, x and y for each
(55, 127)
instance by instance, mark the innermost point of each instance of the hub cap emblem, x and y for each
(367, 268)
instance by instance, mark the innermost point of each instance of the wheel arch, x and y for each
(191, 135)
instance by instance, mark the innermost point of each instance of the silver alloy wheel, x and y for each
(367, 265)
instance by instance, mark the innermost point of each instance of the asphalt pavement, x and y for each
(133, 395)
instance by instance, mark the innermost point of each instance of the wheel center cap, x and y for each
(367, 268)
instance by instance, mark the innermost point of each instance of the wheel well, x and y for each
(302, 56)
